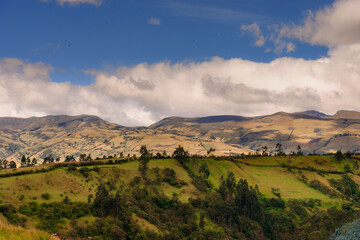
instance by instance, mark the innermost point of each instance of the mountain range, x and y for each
(63, 135)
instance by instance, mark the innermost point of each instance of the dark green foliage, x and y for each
(45, 196)
(23, 161)
(11, 214)
(169, 175)
(135, 181)
(204, 171)
(69, 158)
(83, 157)
(321, 224)
(51, 214)
(356, 166)
(48, 159)
(339, 156)
(144, 159)
(181, 155)
(347, 168)
(348, 187)
(279, 150)
(12, 164)
(322, 188)
(102, 201)
(347, 155)
(84, 171)
(276, 192)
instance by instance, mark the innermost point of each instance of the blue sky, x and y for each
(118, 33)
(135, 62)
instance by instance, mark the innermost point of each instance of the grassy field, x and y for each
(8, 232)
(266, 172)
(266, 177)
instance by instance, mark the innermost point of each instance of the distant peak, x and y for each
(314, 113)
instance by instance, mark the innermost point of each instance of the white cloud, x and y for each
(154, 21)
(254, 31)
(146, 93)
(331, 26)
(334, 25)
(76, 2)
(290, 47)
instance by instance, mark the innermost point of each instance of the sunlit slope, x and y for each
(65, 135)
(284, 173)
(9, 232)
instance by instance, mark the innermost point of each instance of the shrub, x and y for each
(45, 196)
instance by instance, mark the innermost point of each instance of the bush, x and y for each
(135, 181)
(45, 196)
(322, 188)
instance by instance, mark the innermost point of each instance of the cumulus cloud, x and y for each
(143, 94)
(334, 25)
(331, 26)
(154, 21)
(76, 2)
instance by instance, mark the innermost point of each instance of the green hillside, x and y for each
(290, 197)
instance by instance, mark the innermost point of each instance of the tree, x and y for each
(264, 153)
(201, 221)
(12, 164)
(298, 151)
(347, 168)
(181, 155)
(144, 159)
(48, 159)
(204, 171)
(69, 158)
(227, 186)
(3, 163)
(101, 201)
(279, 150)
(339, 156)
(118, 204)
(230, 182)
(34, 162)
(23, 161)
(89, 158)
(210, 150)
(347, 155)
(247, 202)
(82, 157)
(356, 166)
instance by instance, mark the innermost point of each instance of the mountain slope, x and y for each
(72, 135)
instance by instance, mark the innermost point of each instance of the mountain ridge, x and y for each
(61, 135)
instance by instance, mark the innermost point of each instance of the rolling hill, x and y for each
(63, 135)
